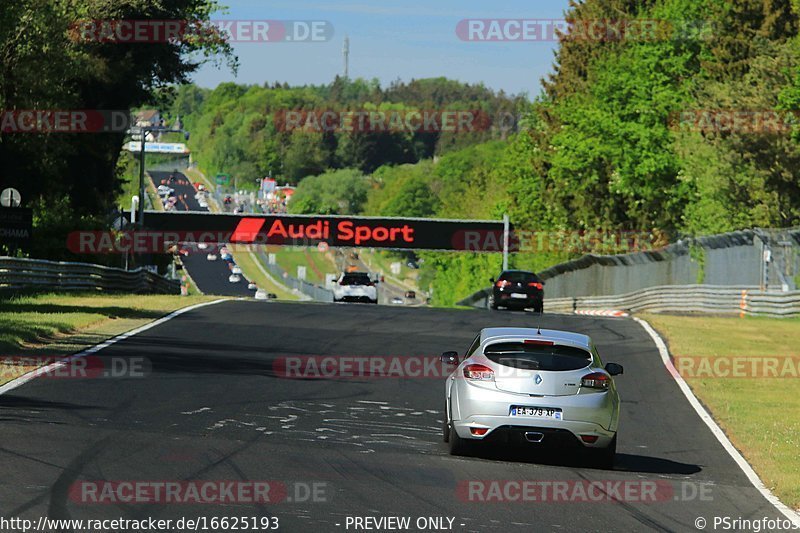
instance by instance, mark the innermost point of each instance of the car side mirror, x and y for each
(450, 358)
(614, 369)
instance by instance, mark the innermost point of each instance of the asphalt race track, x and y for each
(213, 408)
(211, 277)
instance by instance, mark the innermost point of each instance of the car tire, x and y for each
(458, 446)
(605, 457)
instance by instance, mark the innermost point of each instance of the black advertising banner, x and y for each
(16, 225)
(366, 232)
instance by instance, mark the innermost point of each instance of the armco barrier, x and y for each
(314, 292)
(714, 299)
(40, 274)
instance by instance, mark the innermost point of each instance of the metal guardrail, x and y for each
(714, 299)
(40, 274)
(315, 292)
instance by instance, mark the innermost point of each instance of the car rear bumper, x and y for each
(357, 299)
(484, 406)
(506, 299)
(515, 430)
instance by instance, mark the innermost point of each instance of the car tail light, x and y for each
(502, 283)
(538, 342)
(596, 380)
(536, 284)
(589, 439)
(478, 431)
(478, 372)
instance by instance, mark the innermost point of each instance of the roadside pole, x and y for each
(505, 242)
(141, 177)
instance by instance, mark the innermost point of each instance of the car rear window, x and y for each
(537, 357)
(356, 279)
(519, 277)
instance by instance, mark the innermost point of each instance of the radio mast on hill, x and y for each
(346, 54)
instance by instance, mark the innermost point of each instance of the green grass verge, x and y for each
(62, 324)
(317, 263)
(382, 261)
(248, 262)
(761, 416)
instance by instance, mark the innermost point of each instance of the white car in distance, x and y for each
(355, 287)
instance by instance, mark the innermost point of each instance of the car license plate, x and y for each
(518, 295)
(537, 412)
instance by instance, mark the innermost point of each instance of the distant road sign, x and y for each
(158, 148)
(10, 198)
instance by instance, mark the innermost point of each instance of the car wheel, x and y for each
(604, 457)
(458, 446)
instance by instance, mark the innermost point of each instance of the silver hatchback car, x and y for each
(533, 387)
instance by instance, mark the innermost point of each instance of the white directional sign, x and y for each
(158, 148)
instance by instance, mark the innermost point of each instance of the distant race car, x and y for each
(397, 300)
(234, 278)
(211, 257)
(517, 289)
(236, 269)
(355, 287)
(540, 388)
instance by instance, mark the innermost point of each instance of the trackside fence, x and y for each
(27, 274)
(752, 272)
(712, 299)
(314, 292)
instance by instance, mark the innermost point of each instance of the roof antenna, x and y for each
(539, 325)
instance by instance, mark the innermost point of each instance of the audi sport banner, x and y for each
(305, 230)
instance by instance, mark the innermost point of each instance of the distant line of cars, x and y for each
(224, 254)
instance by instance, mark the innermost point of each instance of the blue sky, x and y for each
(391, 39)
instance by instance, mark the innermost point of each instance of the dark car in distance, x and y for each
(517, 289)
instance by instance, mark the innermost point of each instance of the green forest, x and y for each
(610, 143)
(606, 145)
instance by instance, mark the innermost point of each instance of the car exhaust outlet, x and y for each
(534, 436)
